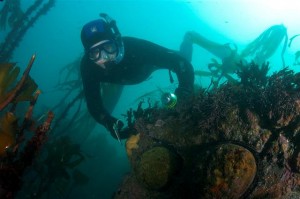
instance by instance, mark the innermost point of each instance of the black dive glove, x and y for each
(114, 126)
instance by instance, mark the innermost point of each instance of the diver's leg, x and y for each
(186, 48)
(220, 50)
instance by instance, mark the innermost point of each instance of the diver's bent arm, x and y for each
(184, 71)
(91, 88)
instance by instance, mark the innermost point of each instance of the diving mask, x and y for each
(104, 50)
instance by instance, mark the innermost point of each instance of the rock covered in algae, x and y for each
(156, 167)
(231, 170)
(241, 140)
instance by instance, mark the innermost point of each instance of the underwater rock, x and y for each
(230, 171)
(240, 140)
(156, 168)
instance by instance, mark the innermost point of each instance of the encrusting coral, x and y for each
(132, 143)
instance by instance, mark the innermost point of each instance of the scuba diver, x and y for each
(111, 58)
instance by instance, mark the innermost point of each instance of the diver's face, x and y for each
(105, 57)
(102, 52)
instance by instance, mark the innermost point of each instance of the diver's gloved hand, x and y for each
(127, 132)
(115, 127)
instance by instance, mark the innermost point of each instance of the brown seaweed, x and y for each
(24, 88)
(19, 153)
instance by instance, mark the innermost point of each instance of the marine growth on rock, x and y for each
(240, 140)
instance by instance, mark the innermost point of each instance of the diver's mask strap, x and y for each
(112, 24)
(117, 36)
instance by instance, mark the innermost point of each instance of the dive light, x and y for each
(169, 100)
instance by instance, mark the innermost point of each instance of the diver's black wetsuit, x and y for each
(141, 58)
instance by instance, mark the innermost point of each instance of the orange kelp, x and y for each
(16, 152)
(22, 91)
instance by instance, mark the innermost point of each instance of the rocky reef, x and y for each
(240, 140)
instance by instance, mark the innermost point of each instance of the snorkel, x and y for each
(117, 36)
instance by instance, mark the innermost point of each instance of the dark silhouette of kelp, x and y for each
(21, 24)
(10, 13)
(55, 172)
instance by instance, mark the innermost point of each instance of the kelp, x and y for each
(297, 58)
(16, 152)
(22, 91)
(14, 164)
(217, 72)
(69, 108)
(10, 13)
(8, 132)
(292, 39)
(21, 24)
(57, 163)
(266, 44)
(297, 53)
